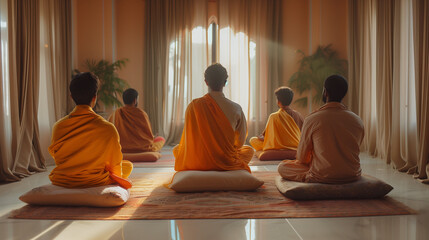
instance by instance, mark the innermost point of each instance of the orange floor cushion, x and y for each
(142, 157)
(271, 155)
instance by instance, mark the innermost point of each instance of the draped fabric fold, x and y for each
(55, 68)
(24, 156)
(388, 49)
(421, 51)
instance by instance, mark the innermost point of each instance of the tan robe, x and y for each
(329, 148)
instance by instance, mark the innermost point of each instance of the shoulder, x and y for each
(234, 105)
(59, 124)
(105, 126)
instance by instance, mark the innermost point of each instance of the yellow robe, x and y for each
(208, 140)
(87, 152)
(135, 130)
(281, 132)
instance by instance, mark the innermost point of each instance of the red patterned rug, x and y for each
(150, 200)
(167, 160)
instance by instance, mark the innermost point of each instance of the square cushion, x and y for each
(142, 157)
(365, 187)
(210, 181)
(103, 196)
(272, 155)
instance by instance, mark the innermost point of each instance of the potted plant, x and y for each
(111, 85)
(313, 70)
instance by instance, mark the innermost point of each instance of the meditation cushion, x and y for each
(366, 187)
(210, 181)
(103, 196)
(142, 157)
(272, 155)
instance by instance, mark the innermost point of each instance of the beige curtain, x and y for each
(362, 75)
(421, 50)
(176, 57)
(249, 49)
(55, 67)
(21, 153)
(386, 89)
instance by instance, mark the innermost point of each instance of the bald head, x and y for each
(215, 77)
(336, 87)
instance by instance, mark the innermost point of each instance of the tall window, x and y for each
(212, 42)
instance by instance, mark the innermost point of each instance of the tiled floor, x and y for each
(407, 190)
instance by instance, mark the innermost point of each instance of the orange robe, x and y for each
(134, 130)
(329, 148)
(281, 132)
(87, 152)
(208, 140)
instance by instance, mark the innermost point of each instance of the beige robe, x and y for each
(329, 148)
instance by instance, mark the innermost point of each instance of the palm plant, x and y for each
(313, 71)
(111, 85)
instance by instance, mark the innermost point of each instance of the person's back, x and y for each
(86, 147)
(283, 128)
(329, 148)
(133, 126)
(81, 158)
(336, 136)
(215, 131)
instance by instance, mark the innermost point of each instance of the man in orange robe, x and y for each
(329, 148)
(283, 129)
(134, 127)
(215, 130)
(86, 147)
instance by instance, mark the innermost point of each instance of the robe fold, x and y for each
(134, 130)
(281, 132)
(208, 140)
(86, 151)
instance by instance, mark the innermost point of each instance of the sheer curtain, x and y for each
(20, 152)
(249, 47)
(55, 67)
(385, 86)
(177, 55)
(176, 58)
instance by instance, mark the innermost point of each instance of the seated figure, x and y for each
(133, 126)
(328, 151)
(215, 130)
(283, 129)
(86, 147)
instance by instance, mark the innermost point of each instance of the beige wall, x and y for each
(130, 42)
(308, 24)
(110, 30)
(115, 30)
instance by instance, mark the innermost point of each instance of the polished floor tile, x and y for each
(406, 189)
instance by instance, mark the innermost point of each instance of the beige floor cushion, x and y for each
(210, 181)
(142, 157)
(103, 196)
(366, 187)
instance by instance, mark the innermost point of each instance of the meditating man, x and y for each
(215, 130)
(283, 129)
(86, 147)
(328, 151)
(134, 127)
